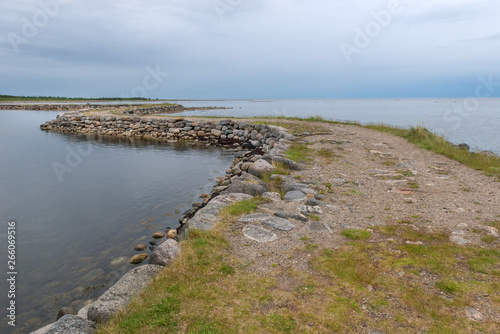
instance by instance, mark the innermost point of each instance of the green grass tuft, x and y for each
(356, 234)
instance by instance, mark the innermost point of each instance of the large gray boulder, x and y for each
(290, 164)
(208, 216)
(72, 324)
(247, 184)
(260, 167)
(289, 186)
(120, 294)
(165, 253)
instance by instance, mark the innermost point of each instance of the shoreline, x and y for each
(230, 176)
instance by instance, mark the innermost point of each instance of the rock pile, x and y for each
(222, 133)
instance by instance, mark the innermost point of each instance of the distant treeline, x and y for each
(60, 98)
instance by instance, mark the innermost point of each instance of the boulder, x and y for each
(71, 324)
(120, 294)
(289, 186)
(260, 167)
(294, 196)
(290, 164)
(247, 184)
(208, 216)
(216, 133)
(165, 253)
(84, 312)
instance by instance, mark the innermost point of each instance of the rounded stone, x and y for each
(172, 234)
(140, 247)
(136, 259)
(158, 235)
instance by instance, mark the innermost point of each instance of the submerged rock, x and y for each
(136, 259)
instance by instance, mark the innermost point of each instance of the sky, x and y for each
(250, 49)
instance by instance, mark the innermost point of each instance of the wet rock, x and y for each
(294, 196)
(158, 235)
(136, 259)
(275, 197)
(118, 260)
(140, 247)
(120, 294)
(165, 253)
(64, 311)
(70, 324)
(258, 234)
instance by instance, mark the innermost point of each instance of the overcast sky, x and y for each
(249, 48)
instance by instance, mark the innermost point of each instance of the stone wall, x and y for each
(221, 133)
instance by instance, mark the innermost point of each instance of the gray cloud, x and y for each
(275, 48)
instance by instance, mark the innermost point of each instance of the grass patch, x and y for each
(353, 234)
(438, 144)
(298, 152)
(390, 287)
(238, 208)
(314, 217)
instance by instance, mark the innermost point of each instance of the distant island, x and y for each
(13, 98)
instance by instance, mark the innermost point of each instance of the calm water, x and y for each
(459, 122)
(70, 228)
